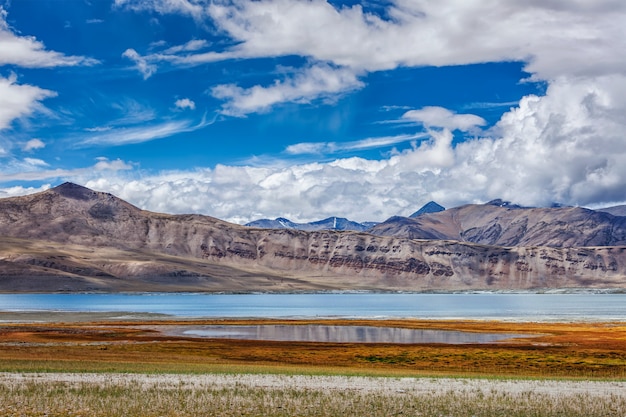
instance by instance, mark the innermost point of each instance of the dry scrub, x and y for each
(280, 395)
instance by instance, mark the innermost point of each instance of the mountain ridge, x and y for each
(70, 238)
(511, 225)
(329, 223)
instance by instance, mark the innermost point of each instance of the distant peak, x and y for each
(430, 207)
(75, 191)
(67, 185)
(501, 203)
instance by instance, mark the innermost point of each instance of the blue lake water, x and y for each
(527, 307)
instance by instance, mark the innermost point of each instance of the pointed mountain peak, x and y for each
(74, 191)
(430, 207)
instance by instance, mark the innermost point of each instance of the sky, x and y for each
(309, 109)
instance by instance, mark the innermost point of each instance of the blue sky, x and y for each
(310, 109)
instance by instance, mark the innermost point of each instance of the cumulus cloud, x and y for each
(19, 100)
(33, 169)
(26, 51)
(19, 190)
(314, 82)
(565, 146)
(185, 103)
(354, 187)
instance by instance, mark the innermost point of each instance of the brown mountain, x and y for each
(501, 224)
(615, 210)
(71, 238)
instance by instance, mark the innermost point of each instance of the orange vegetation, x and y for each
(571, 350)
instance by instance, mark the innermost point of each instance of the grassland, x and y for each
(128, 368)
(230, 395)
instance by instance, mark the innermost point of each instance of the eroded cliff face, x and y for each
(73, 215)
(420, 265)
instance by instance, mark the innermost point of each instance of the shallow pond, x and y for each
(340, 334)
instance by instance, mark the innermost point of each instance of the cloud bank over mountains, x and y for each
(567, 145)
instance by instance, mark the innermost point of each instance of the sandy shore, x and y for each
(378, 385)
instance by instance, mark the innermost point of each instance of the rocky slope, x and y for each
(502, 224)
(71, 238)
(615, 210)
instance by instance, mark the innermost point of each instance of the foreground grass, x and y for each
(110, 395)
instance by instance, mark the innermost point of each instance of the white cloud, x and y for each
(35, 162)
(566, 146)
(304, 148)
(33, 144)
(192, 45)
(141, 63)
(132, 112)
(21, 190)
(315, 82)
(19, 100)
(139, 134)
(577, 39)
(185, 103)
(191, 8)
(432, 116)
(32, 169)
(26, 51)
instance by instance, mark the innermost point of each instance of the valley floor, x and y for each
(98, 365)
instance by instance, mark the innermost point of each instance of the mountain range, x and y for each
(501, 223)
(71, 238)
(330, 223)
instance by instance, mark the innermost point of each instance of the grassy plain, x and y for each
(561, 351)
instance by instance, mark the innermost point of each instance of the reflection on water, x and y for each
(343, 334)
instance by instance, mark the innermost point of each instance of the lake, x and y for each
(523, 307)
